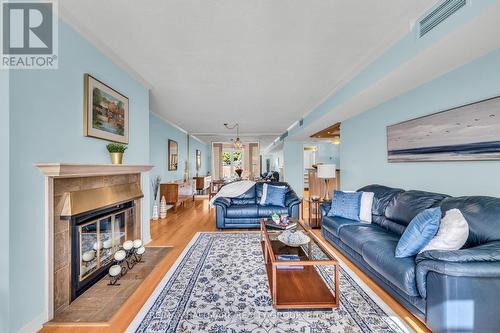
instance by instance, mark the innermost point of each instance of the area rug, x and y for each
(219, 285)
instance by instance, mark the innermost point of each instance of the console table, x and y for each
(202, 182)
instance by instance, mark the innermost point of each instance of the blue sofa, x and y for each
(244, 211)
(452, 291)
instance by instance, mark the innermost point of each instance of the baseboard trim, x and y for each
(33, 326)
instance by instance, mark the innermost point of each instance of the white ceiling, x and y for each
(261, 63)
(424, 67)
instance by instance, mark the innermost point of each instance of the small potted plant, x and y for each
(116, 151)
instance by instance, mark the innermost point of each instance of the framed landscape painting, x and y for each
(466, 133)
(105, 112)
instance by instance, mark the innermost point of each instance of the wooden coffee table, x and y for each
(298, 288)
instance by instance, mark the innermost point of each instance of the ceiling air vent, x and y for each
(283, 136)
(439, 14)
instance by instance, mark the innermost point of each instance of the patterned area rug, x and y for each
(220, 285)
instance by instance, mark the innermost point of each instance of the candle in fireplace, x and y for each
(128, 245)
(137, 243)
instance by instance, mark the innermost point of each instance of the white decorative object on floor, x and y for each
(452, 233)
(155, 211)
(127, 245)
(137, 243)
(163, 207)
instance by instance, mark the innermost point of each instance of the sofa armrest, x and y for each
(479, 261)
(221, 201)
(484, 252)
(461, 296)
(291, 198)
(325, 207)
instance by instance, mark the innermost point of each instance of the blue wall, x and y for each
(159, 133)
(293, 165)
(363, 152)
(206, 160)
(328, 153)
(46, 111)
(4, 200)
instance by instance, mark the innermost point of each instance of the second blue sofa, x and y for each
(244, 211)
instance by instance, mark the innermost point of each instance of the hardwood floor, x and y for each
(177, 230)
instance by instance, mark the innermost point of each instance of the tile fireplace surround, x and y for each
(60, 181)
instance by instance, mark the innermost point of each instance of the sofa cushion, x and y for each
(267, 211)
(482, 214)
(335, 223)
(388, 224)
(419, 232)
(379, 254)
(242, 211)
(242, 201)
(273, 195)
(383, 195)
(259, 188)
(346, 204)
(246, 198)
(356, 235)
(407, 205)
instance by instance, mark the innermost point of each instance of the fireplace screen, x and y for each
(96, 238)
(110, 231)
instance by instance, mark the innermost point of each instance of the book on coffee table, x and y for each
(289, 257)
(281, 226)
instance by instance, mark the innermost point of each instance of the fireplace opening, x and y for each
(95, 237)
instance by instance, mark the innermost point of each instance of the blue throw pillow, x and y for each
(419, 232)
(273, 195)
(346, 205)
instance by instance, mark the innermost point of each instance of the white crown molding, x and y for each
(198, 139)
(100, 45)
(169, 122)
(192, 135)
(232, 134)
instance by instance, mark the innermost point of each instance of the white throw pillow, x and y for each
(264, 195)
(365, 212)
(452, 234)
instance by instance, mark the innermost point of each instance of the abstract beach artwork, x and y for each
(105, 112)
(466, 133)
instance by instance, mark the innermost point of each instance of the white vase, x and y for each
(155, 211)
(163, 208)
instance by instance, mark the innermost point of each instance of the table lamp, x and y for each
(326, 172)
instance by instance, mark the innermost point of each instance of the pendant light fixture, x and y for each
(237, 144)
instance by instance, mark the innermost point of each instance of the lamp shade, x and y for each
(326, 171)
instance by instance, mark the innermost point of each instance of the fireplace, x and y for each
(95, 237)
(87, 204)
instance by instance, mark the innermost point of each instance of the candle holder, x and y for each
(132, 256)
(117, 270)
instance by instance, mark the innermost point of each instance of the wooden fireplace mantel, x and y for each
(68, 170)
